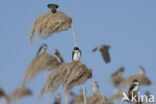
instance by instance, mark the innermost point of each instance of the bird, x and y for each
(76, 54)
(134, 86)
(57, 99)
(141, 77)
(53, 7)
(58, 56)
(42, 49)
(117, 77)
(133, 89)
(104, 49)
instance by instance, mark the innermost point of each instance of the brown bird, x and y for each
(58, 56)
(141, 77)
(53, 7)
(104, 51)
(117, 77)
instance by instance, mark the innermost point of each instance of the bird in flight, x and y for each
(117, 77)
(104, 49)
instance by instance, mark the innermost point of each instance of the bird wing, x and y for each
(105, 55)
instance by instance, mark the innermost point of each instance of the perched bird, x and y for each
(53, 7)
(42, 49)
(133, 89)
(104, 51)
(58, 56)
(117, 77)
(76, 54)
(57, 99)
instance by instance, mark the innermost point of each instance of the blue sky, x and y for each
(128, 26)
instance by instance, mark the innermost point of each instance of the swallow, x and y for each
(117, 77)
(133, 88)
(58, 56)
(42, 49)
(53, 7)
(104, 49)
(76, 54)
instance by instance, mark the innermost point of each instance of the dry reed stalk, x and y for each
(50, 23)
(84, 94)
(20, 93)
(69, 75)
(42, 62)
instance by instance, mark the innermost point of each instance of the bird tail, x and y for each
(94, 49)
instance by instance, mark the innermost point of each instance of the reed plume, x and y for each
(69, 75)
(19, 93)
(49, 23)
(42, 62)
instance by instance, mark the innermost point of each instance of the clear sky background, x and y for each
(128, 26)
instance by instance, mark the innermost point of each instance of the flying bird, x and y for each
(76, 54)
(117, 77)
(104, 49)
(42, 49)
(53, 7)
(58, 56)
(141, 77)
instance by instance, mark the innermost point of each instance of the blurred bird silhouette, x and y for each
(58, 56)
(42, 49)
(57, 99)
(104, 49)
(117, 77)
(53, 7)
(141, 77)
